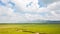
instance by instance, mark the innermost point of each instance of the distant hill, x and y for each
(44, 21)
(53, 21)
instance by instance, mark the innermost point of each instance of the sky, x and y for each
(18, 11)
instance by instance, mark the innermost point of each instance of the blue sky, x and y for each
(14, 11)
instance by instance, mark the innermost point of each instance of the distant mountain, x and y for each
(44, 21)
(53, 21)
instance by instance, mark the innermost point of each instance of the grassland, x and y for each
(41, 28)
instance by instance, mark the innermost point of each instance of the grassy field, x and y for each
(29, 28)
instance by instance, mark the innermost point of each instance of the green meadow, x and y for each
(29, 28)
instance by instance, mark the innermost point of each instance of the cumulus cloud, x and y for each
(7, 15)
(21, 12)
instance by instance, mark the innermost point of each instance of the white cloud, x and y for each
(8, 15)
(51, 12)
(5, 10)
(32, 17)
(22, 4)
